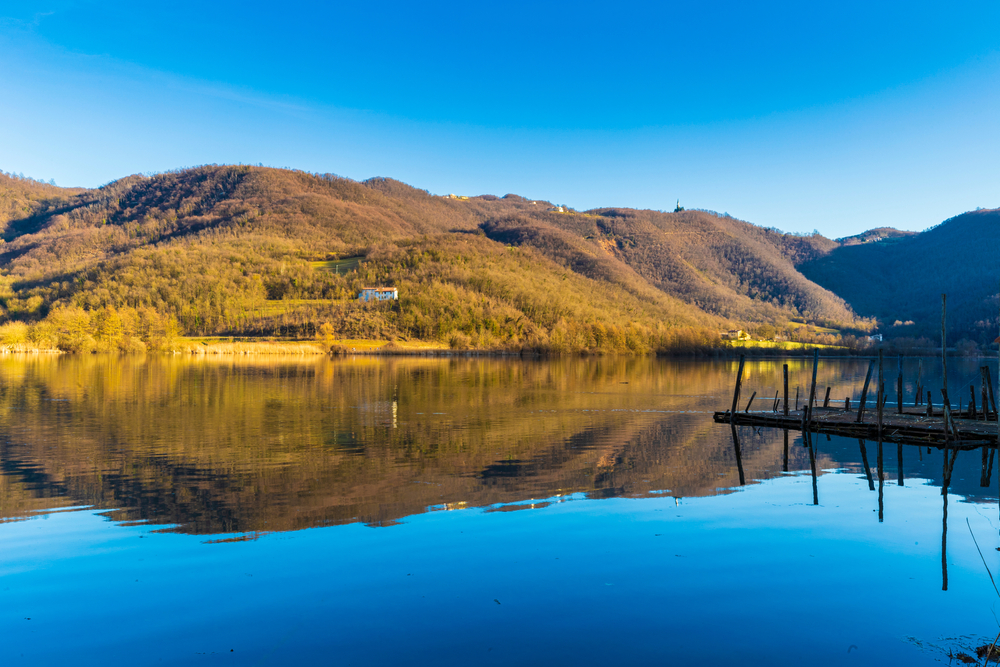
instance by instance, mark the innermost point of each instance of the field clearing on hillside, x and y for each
(812, 327)
(289, 305)
(338, 266)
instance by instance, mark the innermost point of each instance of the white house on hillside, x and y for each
(378, 294)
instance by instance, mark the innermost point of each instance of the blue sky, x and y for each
(837, 117)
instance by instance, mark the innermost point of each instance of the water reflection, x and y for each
(612, 507)
(228, 446)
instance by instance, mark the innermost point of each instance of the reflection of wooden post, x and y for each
(946, 482)
(807, 438)
(899, 464)
(881, 481)
(739, 455)
(736, 391)
(864, 460)
(784, 459)
(984, 480)
(864, 391)
(812, 390)
(785, 371)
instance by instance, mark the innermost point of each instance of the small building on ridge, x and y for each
(378, 294)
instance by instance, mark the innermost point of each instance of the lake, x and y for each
(385, 511)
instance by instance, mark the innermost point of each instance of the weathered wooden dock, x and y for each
(949, 428)
(913, 427)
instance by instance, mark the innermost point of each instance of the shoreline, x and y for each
(219, 346)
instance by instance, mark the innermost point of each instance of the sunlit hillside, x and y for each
(259, 252)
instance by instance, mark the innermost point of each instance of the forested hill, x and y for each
(900, 279)
(238, 250)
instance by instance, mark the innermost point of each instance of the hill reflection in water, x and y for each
(246, 446)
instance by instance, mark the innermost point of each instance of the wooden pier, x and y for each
(913, 427)
(950, 428)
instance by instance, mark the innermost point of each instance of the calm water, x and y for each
(454, 512)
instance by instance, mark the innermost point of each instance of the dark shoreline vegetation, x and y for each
(243, 252)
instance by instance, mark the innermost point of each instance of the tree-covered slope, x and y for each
(901, 279)
(238, 250)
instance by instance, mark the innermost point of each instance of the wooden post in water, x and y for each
(774, 408)
(984, 373)
(880, 395)
(826, 401)
(989, 388)
(899, 388)
(944, 346)
(945, 403)
(972, 402)
(920, 384)
(864, 391)
(796, 397)
(930, 405)
(847, 404)
(750, 402)
(736, 392)
(812, 390)
(785, 372)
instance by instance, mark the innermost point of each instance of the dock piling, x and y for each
(899, 388)
(864, 391)
(881, 394)
(826, 401)
(812, 390)
(785, 371)
(739, 381)
(984, 373)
